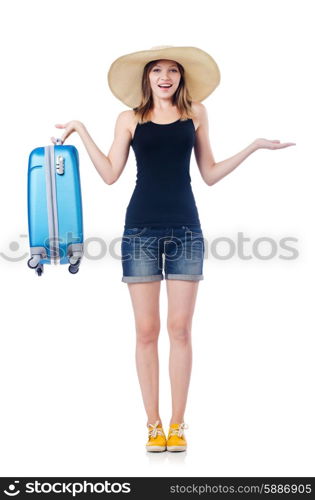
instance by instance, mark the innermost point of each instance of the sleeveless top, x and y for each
(163, 195)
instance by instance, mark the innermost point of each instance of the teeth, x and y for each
(166, 86)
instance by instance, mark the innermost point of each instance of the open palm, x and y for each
(275, 144)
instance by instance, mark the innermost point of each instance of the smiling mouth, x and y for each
(165, 87)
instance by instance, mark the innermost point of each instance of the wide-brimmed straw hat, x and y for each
(202, 74)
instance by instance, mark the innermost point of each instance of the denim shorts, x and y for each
(147, 251)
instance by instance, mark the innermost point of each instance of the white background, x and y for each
(71, 403)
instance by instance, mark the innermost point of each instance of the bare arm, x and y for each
(222, 168)
(212, 171)
(111, 166)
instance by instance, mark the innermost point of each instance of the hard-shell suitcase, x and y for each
(55, 221)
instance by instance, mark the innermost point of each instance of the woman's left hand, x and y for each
(275, 144)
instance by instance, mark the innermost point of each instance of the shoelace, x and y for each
(180, 430)
(155, 430)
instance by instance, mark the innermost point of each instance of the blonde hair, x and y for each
(181, 99)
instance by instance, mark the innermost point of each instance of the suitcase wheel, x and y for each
(73, 269)
(39, 271)
(30, 262)
(33, 263)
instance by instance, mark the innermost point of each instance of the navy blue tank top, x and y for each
(163, 195)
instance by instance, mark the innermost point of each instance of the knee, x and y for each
(148, 333)
(179, 330)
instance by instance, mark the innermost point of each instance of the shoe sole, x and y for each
(156, 448)
(176, 448)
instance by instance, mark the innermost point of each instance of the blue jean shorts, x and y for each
(147, 251)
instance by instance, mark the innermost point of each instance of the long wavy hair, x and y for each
(181, 98)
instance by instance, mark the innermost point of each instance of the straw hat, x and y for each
(202, 74)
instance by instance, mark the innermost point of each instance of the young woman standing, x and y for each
(164, 86)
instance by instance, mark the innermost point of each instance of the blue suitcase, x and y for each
(55, 221)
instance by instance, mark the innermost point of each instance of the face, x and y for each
(164, 72)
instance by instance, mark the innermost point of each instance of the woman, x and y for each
(164, 86)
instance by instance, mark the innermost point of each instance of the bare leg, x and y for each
(181, 303)
(145, 301)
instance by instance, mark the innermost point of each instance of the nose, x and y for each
(165, 78)
(164, 75)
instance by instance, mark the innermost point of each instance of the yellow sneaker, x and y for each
(176, 440)
(157, 438)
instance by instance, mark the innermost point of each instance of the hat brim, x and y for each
(202, 74)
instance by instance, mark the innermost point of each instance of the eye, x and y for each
(157, 69)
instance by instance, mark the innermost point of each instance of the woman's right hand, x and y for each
(69, 127)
